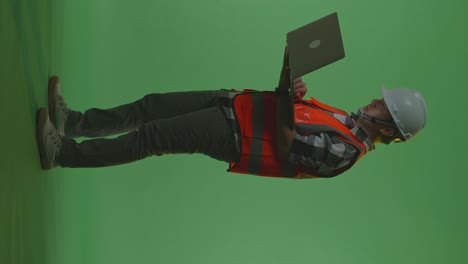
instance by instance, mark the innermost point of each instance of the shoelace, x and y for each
(55, 138)
(64, 106)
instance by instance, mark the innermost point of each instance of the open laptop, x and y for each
(315, 45)
(312, 47)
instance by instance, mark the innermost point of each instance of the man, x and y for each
(253, 131)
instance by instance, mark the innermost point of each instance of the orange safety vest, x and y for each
(256, 116)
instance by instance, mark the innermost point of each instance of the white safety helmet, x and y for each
(408, 110)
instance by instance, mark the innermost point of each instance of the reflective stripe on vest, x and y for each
(256, 114)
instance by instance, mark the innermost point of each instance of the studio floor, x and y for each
(401, 204)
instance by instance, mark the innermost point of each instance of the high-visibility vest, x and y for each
(256, 115)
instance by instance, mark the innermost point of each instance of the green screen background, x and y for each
(402, 203)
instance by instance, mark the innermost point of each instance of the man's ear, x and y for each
(388, 131)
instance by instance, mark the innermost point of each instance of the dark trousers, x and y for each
(157, 124)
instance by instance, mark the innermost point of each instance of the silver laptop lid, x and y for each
(315, 45)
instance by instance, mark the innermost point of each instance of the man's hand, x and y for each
(300, 89)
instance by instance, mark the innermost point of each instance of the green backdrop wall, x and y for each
(402, 203)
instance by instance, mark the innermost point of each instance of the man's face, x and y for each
(377, 109)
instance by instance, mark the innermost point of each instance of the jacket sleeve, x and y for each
(322, 153)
